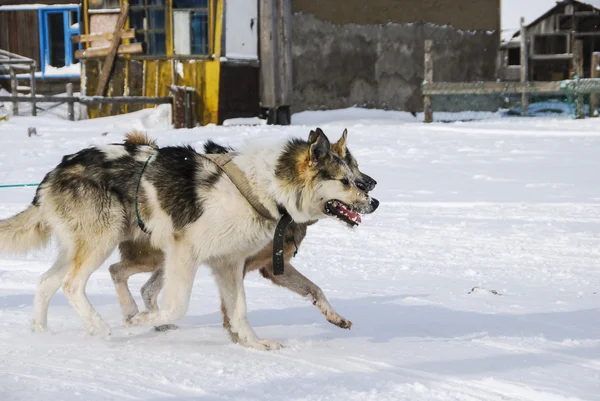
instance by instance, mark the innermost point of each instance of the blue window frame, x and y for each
(148, 19)
(57, 25)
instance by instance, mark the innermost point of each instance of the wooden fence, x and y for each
(14, 62)
(183, 102)
(575, 87)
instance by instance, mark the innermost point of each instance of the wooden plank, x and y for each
(595, 73)
(555, 33)
(580, 14)
(490, 88)
(559, 56)
(524, 67)
(112, 53)
(32, 90)
(125, 34)
(427, 107)
(92, 52)
(90, 99)
(70, 105)
(15, 93)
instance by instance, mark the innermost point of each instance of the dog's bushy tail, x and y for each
(136, 137)
(24, 232)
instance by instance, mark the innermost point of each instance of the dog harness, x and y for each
(238, 178)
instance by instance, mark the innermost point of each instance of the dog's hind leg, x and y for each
(151, 289)
(230, 279)
(150, 292)
(49, 283)
(87, 258)
(179, 273)
(295, 281)
(120, 273)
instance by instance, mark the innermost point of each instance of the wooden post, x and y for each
(275, 50)
(110, 57)
(126, 83)
(187, 104)
(178, 106)
(193, 108)
(32, 89)
(595, 73)
(70, 103)
(156, 77)
(427, 107)
(578, 67)
(13, 87)
(524, 68)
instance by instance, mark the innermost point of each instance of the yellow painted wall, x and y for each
(202, 74)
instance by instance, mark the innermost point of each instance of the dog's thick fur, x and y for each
(194, 213)
(139, 257)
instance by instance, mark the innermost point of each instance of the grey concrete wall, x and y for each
(381, 66)
(462, 14)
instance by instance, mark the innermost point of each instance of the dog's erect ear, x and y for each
(319, 147)
(339, 148)
(314, 135)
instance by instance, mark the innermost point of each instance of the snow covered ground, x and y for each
(478, 278)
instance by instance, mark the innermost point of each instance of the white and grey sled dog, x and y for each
(193, 212)
(139, 257)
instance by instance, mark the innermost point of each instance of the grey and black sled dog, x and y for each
(192, 211)
(140, 257)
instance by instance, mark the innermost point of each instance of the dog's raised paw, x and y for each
(339, 321)
(344, 324)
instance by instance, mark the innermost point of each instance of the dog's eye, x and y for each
(345, 181)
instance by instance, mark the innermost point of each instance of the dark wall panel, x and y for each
(19, 33)
(238, 91)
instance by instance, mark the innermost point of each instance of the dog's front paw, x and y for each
(136, 320)
(99, 329)
(263, 345)
(38, 327)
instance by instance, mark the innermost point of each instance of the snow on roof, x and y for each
(16, 7)
(506, 36)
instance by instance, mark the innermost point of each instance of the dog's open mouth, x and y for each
(342, 212)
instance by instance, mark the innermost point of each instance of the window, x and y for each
(57, 25)
(550, 44)
(190, 27)
(514, 56)
(148, 19)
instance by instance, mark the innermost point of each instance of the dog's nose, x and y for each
(365, 183)
(374, 204)
(369, 183)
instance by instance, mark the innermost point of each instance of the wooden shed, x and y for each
(551, 43)
(41, 30)
(200, 44)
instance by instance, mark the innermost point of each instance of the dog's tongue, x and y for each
(349, 213)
